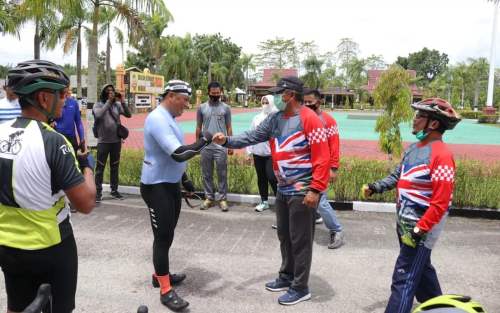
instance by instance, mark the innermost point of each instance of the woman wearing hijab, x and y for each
(262, 156)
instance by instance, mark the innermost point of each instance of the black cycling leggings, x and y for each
(26, 270)
(265, 175)
(164, 203)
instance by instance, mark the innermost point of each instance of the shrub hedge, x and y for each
(476, 184)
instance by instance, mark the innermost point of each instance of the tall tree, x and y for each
(246, 61)
(312, 66)
(120, 39)
(128, 12)
(107, 17)
(278, 53)
(347, 51)
(461, 78)
(306, 50)
(427, 63)
(210, 46)
(10, 19)
(403, 62)
(478, 72)
(375, 62)
(393, 95)
(45, 16)
(150, 40)
(69, 32)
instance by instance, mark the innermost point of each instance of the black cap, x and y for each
(290, 83)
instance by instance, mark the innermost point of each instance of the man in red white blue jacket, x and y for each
(424, 180)
(301, 162)
(312, 99)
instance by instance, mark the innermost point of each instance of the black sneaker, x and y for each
(98, 198)
(172, 301)
(175, 279)
(116, 195)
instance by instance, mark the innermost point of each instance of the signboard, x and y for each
(143, 101)
(146, 83)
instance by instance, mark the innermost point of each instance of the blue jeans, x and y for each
(328, 214)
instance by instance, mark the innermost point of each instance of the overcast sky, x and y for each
(460, 28)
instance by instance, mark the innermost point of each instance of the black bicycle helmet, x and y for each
(30, 76)
(440, 110)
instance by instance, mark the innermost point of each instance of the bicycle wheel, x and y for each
(16, 147)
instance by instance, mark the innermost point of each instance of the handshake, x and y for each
(219, 138)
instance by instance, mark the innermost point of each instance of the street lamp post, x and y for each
(489, 109)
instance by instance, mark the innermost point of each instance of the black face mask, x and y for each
(214, 98)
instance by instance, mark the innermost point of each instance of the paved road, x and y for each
(229, 256)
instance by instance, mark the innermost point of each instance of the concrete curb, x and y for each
(378, 207)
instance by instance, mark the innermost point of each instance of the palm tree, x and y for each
(246, 61)
(461, 77)
(219, 71)
(313, 72)
(120, 39)
(151, 36)
(107, 16)
(69, 32)
(44, 13)
(211, 48)
(128, 12)
(9, 18)
(478, 69)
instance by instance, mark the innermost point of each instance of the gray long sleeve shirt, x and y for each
(107, 124)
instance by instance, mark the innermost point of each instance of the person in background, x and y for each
(71, 120)
(214, 116)
(9, 106)
(107, 116)
(312, 99)
(261, 154)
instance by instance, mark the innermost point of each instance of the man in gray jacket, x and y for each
(107, 118)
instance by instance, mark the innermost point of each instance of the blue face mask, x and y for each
(278, 103)
(421, 135)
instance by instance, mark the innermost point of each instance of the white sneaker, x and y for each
(262, 206)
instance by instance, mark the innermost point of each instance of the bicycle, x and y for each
(13, 145)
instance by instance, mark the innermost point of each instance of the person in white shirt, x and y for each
(261, 153)
(9, 106)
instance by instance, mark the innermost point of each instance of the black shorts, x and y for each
(26, 270)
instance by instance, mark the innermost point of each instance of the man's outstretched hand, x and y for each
(219, 138)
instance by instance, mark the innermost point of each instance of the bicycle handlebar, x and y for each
(142, 309)
(43, 297)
